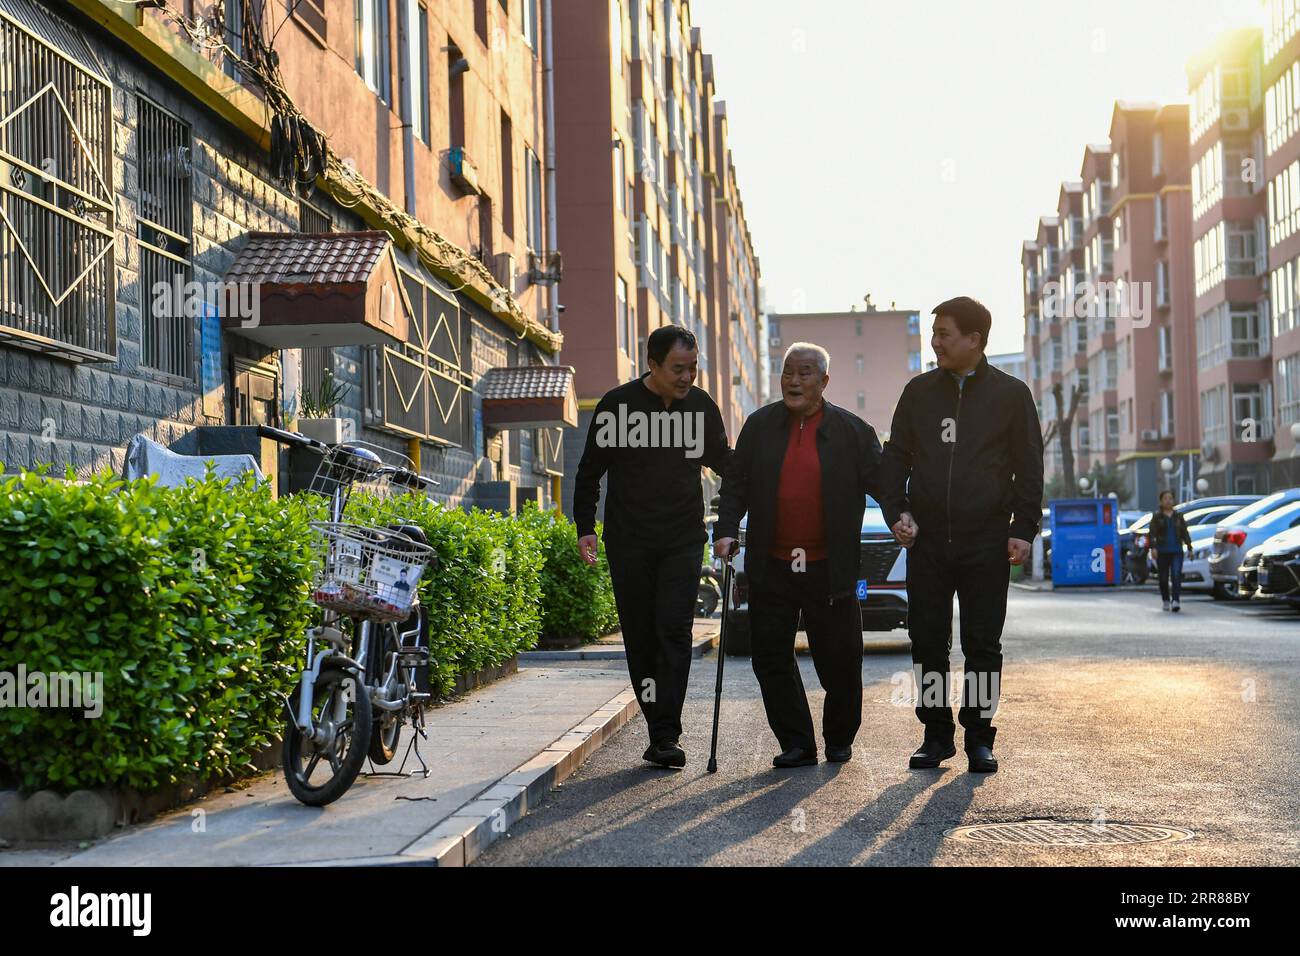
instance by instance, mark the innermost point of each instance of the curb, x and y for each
(477, 824)
(699, 647)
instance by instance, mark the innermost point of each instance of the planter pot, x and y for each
(329, 430)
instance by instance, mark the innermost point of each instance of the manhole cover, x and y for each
(1066, 833)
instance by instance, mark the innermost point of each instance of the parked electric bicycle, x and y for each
(367, 661)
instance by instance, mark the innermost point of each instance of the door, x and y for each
(257, 389)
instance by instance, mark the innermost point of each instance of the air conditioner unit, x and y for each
(1150, 434)
(463, 171)
(1209, 451)
(1238, 118)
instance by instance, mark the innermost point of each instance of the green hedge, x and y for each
(192, 602)
(189, 601)
(578, 598)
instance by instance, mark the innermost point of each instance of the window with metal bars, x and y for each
(164, 217)
(56, 190)
(313, 220)
(320, 359)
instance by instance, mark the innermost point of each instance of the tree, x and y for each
(1063, 429)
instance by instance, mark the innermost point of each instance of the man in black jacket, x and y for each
(802, 469)
(651, 437)
(964, 476)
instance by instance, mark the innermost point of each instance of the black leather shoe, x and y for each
(838, 754)
(795, 757)
(931, 753)
(982, 760)
(666, 753)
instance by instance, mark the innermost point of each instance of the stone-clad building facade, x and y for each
(130, 154)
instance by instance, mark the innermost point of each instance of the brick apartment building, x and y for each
(652, 223)
(1109, 305)
(1280, 80)
(873, 355)
(1230, 252)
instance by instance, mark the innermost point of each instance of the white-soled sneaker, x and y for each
(1165, 607)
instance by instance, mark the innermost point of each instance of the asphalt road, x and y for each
(1112, 710)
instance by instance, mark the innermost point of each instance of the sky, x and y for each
(906, 149)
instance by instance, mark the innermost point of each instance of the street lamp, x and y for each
(1181, 483)
(1168, 467)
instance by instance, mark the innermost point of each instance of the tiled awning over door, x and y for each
(338, 288)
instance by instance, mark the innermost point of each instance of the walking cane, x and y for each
(727, 575)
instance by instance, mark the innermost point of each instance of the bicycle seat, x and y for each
(411, 531)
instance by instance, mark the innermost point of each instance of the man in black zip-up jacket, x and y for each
(963, 469)
(802, 469)
(650, 437)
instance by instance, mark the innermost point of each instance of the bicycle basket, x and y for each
(368, 573)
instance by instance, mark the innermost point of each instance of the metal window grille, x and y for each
(56, 188)
(315, 363)
(313, 220)
(164, 227)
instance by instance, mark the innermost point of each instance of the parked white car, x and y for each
(1196, 569)
(1252, 525)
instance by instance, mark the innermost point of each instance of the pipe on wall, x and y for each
(407, 96)
(548, 107)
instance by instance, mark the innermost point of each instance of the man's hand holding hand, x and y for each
(588, 545)
(1017, 550)
(905, 529)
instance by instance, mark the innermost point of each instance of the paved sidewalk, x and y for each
(550, 716)
(610, 647)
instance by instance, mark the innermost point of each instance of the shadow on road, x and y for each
(689, 822)
(917, 844)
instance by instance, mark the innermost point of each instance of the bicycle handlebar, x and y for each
(292, 438)
(411, 479)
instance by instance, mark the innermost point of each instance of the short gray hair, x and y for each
(823, 357)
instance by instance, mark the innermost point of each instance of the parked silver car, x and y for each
(1277, 568)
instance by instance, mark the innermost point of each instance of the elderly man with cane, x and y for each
(802, 468)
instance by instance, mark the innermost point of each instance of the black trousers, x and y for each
(1169, 564)
(835, 638)
(655, 592)
(978, 573)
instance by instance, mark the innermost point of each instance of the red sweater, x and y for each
(799, 494)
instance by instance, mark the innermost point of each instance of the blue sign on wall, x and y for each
(210, 360)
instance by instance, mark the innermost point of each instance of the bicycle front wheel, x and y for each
(320, 768)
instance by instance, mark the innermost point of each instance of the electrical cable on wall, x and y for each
(301, 154)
